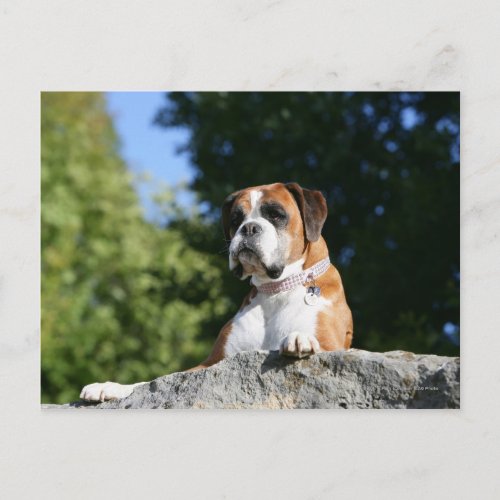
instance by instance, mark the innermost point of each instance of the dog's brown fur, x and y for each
(334, 329)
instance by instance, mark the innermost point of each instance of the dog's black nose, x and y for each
(251, 229)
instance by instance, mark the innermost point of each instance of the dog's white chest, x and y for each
(268, 319)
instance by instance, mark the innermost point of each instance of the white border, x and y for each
(241, 45)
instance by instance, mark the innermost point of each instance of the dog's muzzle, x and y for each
(249, 252)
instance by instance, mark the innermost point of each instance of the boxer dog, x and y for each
(296, 304)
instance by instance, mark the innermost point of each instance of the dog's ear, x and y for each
(226, 211)
(313, 209)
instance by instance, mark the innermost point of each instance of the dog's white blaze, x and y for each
(268, 319)
(255, 196)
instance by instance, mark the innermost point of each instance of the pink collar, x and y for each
(295, 280)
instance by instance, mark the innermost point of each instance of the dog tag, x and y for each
(310, 298)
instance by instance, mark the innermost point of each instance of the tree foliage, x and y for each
(122, 299)
(387, 164)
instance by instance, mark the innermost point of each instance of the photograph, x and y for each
(250, 250)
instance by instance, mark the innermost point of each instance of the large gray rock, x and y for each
(345, 379)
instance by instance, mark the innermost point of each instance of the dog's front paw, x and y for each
(105, 391)
(299, 345)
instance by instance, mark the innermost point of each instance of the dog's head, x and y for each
(269, 226)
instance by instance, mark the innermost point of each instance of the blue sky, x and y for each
(147, 148)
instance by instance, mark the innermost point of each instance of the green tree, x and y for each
(388, 166)
(122, 299)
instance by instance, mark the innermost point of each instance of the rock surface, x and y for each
(266, 380)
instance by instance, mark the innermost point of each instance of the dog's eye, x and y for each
(236, 219)
(275, 215)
